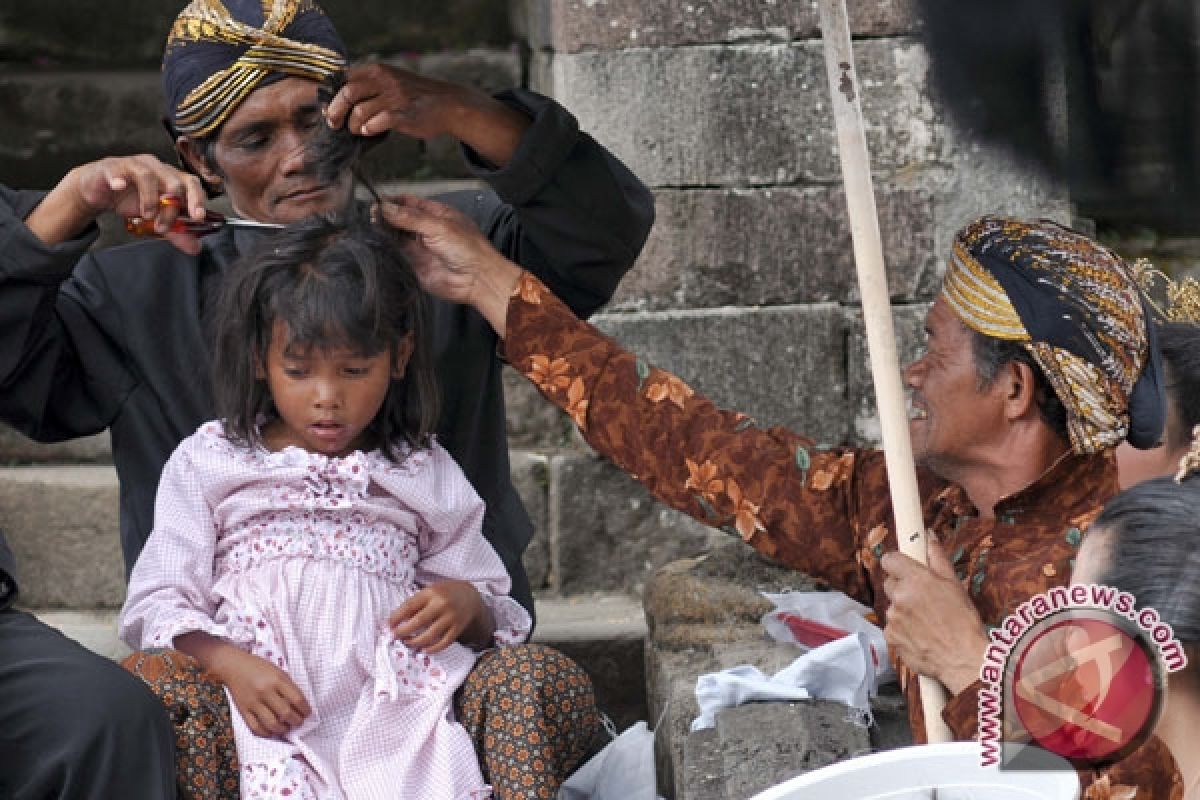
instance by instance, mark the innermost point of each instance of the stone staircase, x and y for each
(59, 511)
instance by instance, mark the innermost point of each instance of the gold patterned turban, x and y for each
(1076, 307)
(219, 52)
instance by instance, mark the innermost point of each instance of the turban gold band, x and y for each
(207, 106)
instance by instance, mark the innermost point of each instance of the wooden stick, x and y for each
(844, 89)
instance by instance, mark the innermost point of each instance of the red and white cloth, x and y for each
(300, 558)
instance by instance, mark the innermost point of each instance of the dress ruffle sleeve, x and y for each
(170, 588)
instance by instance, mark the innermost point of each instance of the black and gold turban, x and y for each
(219, 52)
(1076, 307)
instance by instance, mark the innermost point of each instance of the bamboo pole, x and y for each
(844, 90)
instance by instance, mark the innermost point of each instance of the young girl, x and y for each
(316, 549)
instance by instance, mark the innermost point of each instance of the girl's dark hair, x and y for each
(1154, 529)
(336, 281)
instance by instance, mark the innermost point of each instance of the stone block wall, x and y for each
(746, 286)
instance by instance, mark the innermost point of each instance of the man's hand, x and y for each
(437, 616)
(132, 186)
(379, 97)
(452, 258)
(266, 696)
(932, 626)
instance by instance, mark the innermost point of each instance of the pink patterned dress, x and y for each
(300, 558)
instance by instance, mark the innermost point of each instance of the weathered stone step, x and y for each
(604, 633)
(58, 120)
(79, 31)
(596, 530)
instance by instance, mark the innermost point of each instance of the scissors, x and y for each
(213, 221)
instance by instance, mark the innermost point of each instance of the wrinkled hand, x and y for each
(266, 696)
(452, 258)
(437, 616)
(377, 98)
(932, 625)
(128, 185)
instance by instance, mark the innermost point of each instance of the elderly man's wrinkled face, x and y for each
(259, 155)
(950, 414)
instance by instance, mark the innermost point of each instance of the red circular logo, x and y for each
(1086, 686)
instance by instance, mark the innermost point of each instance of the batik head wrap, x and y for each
(218, 52)
(1076, 307)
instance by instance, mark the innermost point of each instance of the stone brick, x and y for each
(607, 531)
(532, 420)
(782, 365)
(747, 247)
(909, 324)
(747, 114)
(719, 588)
(575, 25)
(530, 475)
(765, 743)
(703, 767)
(61, 523)
(78, 32)
(56, 121)
(15, 448)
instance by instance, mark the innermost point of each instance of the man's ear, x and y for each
(1020, 390)
(193, 159)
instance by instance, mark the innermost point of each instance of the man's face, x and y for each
(259, 155)
(950, 415)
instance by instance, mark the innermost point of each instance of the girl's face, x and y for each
(326, 398)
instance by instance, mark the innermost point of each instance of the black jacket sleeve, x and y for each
(61, 368)
(563, 208)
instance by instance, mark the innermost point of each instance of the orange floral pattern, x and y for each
(667, 386)
(823, 512)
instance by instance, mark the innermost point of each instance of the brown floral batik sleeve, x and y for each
(772, 488)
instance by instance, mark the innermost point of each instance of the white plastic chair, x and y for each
(911, 773)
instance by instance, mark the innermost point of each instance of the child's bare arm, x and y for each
(266, 696)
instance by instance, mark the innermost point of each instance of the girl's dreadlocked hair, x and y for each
(335, 281)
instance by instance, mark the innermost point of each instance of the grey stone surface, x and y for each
(720, 589)
(755, 114)
(909, 323)
(132, 33)
(54, 121)
(703, 767)
(608, 534)
(61, 523)
(59, 119)
(765, 743)
(569, 26)
(16, 448)
(773, 246)
(532, 420)
(530, 476)
(782, 365)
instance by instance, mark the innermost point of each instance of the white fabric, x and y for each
(623, 770)
(299, 558)
(840, 670)
(838, 610)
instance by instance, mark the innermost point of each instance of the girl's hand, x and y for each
(436, 617)
(132, 186)
(266, 696)
(452, 258)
